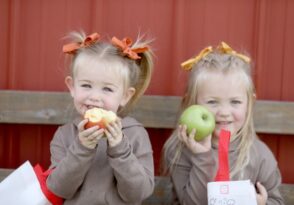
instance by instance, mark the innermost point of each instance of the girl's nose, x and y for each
(224, 111)
(95, 98)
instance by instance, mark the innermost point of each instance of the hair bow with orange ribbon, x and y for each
(125, 46)
(225, 48)
(188, 64)
(222, 48)
(71, 48)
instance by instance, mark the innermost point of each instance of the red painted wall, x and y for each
(31, 35)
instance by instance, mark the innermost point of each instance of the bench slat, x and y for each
(26, 107)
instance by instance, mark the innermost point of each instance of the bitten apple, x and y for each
(199, 118)
(99, 116)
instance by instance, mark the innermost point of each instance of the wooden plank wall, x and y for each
(56, 108)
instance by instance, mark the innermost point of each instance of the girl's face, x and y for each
(225, 95)
(94, 85)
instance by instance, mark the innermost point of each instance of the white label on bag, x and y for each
(231, 193)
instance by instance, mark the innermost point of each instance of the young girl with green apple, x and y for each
(220, 80)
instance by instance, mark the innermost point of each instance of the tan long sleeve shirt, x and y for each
(118, 175)
(192, 172)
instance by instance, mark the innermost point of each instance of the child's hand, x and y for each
(89, 137)
(191, 143)
(113, 133)
(261, 194)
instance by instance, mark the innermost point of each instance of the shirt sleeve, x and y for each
(269, 176)
(190, 175)
(274, 195)
(70, 165)
(132, 162)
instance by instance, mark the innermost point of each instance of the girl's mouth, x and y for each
(223, 123)
(91, 106)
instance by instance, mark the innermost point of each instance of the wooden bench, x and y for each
(55, 108)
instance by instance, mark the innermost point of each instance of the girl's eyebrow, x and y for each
(110, 84)
(237, 97)
(208, 97)
(83, 80)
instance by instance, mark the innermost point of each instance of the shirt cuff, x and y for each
(121, 150)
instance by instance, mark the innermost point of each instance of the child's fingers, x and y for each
(118, 123)
(191, 136)
(85, 132)
(88, 132)
(182, 136)
(191, 143)
(179, 131)
(261, 194)
(261, 189)
(117, 126)
(115, 129)
(111, 130)
(92, 140)
(95, 135)
(95, 138)
(99, 136)
(81, 125)
(114, 135)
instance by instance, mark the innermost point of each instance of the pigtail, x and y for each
(144, 64)
(146, 69)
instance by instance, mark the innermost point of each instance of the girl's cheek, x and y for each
(211, 108)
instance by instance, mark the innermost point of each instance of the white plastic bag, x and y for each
(25, 186)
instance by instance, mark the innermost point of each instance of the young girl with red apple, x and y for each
(220, 80)
(89, 168)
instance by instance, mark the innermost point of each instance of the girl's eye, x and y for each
(86, 85)
(211, 102)
(236, 102)
(107, 89)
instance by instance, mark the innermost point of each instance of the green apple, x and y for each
(199, 118)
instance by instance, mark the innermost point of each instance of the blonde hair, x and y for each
(138, 73)
(223, 63)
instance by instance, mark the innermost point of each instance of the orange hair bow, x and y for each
(71, 48)
(188, 64)
(125, 44)
(223, 48)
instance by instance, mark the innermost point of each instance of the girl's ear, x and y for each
(69, 83)
(127, 96)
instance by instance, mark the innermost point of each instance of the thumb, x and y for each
(261, 189)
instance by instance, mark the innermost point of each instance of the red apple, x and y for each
(99, 116)
(199, 118)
